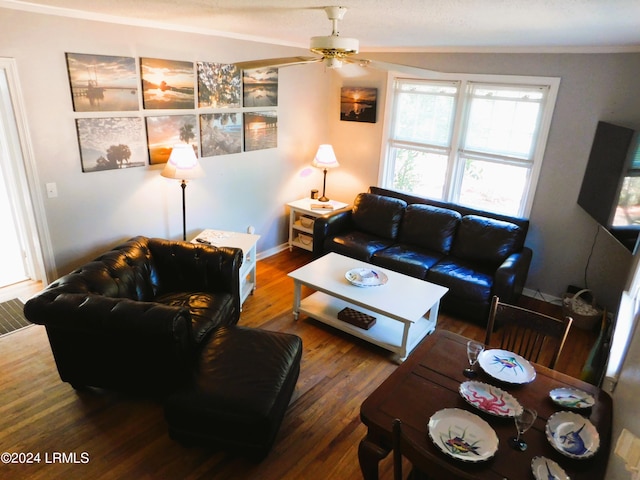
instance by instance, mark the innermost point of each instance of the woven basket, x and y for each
(585, 315)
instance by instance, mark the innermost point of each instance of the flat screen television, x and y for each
(610, 190)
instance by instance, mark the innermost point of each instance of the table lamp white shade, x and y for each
(325, 158)
(183, 163)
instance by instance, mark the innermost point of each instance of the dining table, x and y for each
(429, 382)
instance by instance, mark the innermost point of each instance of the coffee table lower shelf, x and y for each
(399, 336)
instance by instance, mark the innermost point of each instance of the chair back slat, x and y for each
(532, 335)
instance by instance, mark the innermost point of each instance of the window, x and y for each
(627, 211)
(474, 142)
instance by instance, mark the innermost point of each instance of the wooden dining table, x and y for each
(429, 381)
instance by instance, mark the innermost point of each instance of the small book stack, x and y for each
(321, 206)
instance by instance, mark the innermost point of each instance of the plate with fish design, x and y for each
(490, 399)
(572, 398)
(462, 435)
(366, 277)
(572, 435)
(546, 469)
(507, 366)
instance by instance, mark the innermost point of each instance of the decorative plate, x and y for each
(462, 435)
(572, 398)
(366, 277)
(545, 469)
(572, 435)
(507, 366)
(490, 399)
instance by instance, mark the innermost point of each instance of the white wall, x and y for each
(97, 210)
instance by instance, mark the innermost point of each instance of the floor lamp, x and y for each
(183, 165)
(325, 158)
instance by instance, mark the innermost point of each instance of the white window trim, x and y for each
(464, 79)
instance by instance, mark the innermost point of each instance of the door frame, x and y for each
(21, 175)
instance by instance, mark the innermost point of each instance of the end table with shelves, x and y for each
(302, 215)
(247, 243)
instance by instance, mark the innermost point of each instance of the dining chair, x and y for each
(532, 335)
(425, 466)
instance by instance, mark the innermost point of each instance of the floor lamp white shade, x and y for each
(183, 165)
(325, 158)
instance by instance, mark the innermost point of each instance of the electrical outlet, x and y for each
(52, 190)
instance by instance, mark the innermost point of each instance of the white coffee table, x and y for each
(405, 308)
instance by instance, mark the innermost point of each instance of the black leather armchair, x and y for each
(134, 318)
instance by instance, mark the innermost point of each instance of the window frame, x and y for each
(455, 166)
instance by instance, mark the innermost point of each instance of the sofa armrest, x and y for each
(114, 342)
(511, 276)
(330, 226)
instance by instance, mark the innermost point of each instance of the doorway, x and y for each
(23, 230)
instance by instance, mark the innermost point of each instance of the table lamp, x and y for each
(183, 165)
(325, 158)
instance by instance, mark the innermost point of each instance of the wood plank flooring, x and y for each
(105, 435)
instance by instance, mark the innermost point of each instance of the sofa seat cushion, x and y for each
(208, 310)
(377, 215)
(359, 245)
(407, 259)
(429, 227)
(486, 240)
(459, 276)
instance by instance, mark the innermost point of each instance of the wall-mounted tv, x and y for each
(610, 190)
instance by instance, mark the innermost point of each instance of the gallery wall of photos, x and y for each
(131, 114)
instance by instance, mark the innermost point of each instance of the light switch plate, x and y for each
(52, 190)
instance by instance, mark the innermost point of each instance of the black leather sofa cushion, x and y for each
(428, 227)
(359, 245)
(378, 215)
(486, 240)
(412, 261)
(460, 276)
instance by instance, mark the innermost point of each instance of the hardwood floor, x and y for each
(105, 435)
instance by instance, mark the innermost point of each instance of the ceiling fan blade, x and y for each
(393, 67)
(276, 62)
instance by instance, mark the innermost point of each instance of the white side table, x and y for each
(301, 218)
(245, 241)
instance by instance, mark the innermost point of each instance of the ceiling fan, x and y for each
(334, 50)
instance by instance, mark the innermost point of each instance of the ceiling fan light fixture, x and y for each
(334, 46)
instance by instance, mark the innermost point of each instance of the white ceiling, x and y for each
(384, 25)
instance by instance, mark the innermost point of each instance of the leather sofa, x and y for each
(476, 254)
(134, 318)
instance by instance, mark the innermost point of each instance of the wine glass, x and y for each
(523, 421)
(473, 350)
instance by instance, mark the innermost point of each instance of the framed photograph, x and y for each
(219, 85)
(260, 130)
(101, 83)
(167, 84)
(260, 87)
(163, 132)
(358, 104)
(111, 143)
(220, 133)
